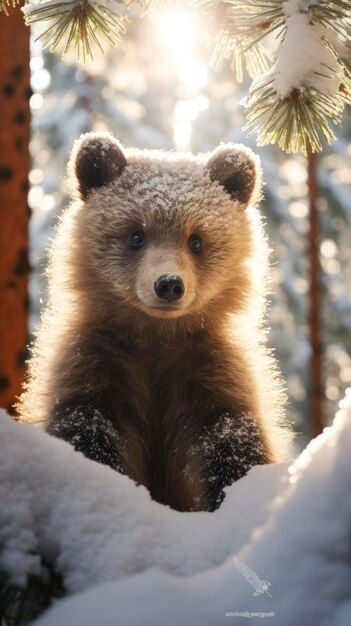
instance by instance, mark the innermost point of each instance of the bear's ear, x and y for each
(238, 169)
(97, 159)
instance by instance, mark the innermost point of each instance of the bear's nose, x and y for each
(169, 287)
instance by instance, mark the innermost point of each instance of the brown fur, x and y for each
(183, 401)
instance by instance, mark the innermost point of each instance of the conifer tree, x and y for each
(299, 85)
(14, 164)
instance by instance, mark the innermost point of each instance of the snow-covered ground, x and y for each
(127, 560)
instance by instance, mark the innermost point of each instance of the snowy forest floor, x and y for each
(279, 546)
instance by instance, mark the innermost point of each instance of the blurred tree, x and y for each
(14, 165)
(316, 393)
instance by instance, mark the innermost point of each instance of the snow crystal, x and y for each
(88, 431)
(291, 7)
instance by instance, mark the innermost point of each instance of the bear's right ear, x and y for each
(238, 170)
(97, 159)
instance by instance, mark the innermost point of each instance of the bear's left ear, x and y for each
(96, 160)
(238, 169)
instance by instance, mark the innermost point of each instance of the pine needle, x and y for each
(6, 4)
(238, 29)
(293, 122)
(303, 116)
(78, 24)
(148, 7)
(241, 56)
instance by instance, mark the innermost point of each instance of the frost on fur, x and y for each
(97, 160)
(237, 168)
(134, 374)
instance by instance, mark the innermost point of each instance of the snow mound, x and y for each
(96, 525)
(159, 566)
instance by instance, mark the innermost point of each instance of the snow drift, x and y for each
(290, 527)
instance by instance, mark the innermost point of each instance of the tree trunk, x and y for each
(316, 393)
(14, 213)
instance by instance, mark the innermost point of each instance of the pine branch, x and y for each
(296, 95)
(297, 92)
(296, 121)
(80, 24)
(255, 19)
(244, 24)
(255, 60)
(6, 4)
(305, 90)
(235, 32)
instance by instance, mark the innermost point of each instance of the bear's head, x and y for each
(166, 234)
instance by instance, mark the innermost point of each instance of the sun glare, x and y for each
(177, 31)
(178, 34)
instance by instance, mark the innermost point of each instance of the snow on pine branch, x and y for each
(298, 90)
(308, 85)
(293, 100)
(304, 60)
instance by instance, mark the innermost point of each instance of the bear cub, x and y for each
(151, 354)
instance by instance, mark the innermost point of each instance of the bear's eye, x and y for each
(195, 243)
(137, 240)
